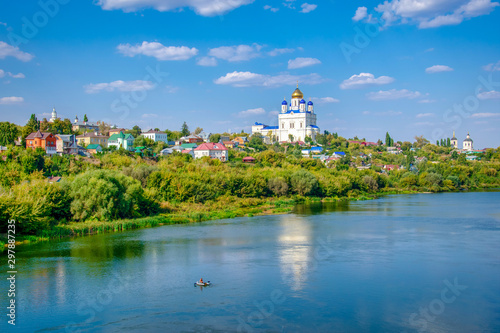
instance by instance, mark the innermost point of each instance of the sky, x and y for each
(407, 67)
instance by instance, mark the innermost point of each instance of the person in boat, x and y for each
(201, 281)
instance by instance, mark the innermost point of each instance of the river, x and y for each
(402, 263)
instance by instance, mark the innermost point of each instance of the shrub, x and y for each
(303, 182)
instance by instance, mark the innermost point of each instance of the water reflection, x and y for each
(295, 250)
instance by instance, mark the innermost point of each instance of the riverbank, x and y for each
(184, 213)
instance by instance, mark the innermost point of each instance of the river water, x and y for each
(403, 263)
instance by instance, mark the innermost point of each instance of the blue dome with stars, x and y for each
(302, 101)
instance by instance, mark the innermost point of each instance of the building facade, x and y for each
(468, 144)
(84, 125)
(213, 150)
(120, 140)
(43, 140)
(295, 121)
(454, 141)
(66, 144)
(156, 136)
(92, 138)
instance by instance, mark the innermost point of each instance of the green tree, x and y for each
(214, 138)
(135, 131)
(198, 130)
(85, 119)
(388, 140)
(278, 186)
(185, 129)
(303, 182)
(8, 133)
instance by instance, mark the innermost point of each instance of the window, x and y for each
(282, 125)
(300, 125)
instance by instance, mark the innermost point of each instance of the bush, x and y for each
(304, 183)
(107, 195)
(278, 186)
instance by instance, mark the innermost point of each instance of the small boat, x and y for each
(204, 284)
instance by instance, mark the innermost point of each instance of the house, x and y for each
(54, 179)
(188, 151)
(213, 150)
(248, 159)
(316, 150)
(156, 136)
(394, 150)
(191, 139)
(241, 140)
(90, 138)
(116, 131)
(229, 144)
(166, 151)
(120, 140)
(66, 144)
(205, 136)
(84, 126)
(188, 146)
(369, 144)
(94, 148)
(177, 148)
(338, 154)
(46, 141)
(390, 167)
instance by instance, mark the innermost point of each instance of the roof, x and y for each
(153, 131)
(313, 126)
(339, 153)
(284, 103)
(248, 158)
(189, 145)
(211, 146)
(64, 137)
(270, 127)
(83, 123)
(38, 134)
(317, 148)
(93, 146)
(120, 135)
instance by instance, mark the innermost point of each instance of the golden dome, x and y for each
(298, 94)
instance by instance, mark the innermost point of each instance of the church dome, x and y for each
(297, 94)
(284, 103)
(302, 101)
(310, 103)
(468, 138)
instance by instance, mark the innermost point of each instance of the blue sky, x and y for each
(410, 67)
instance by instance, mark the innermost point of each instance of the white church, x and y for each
(295, 122)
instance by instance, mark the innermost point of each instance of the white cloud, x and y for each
(306, 7)
(424, 115)
(393, 94)
(277, 52)
(325, 100)
(11, 100)
(485, 115)
(424, 123)
(15, 76)
(158, 50)
(251, 112)
(363, 80)
(302, 62)
(432, 13)
(138, 85)
(384, 113)
(7, 50)
(201, 7)
(493, 67)
(249, 79)
(274, 10)
(489, 95)
(274, 113)
(425, 101)
(361, 13)
(207, 62)
(236, 53)
(438, 68)
(3, 23)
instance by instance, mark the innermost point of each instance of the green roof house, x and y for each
(125, 141)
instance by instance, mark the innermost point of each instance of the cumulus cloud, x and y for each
(236, 53)
(302, 62)
(138, 85)
(306, 7)
(201, 7)
(393, 94)
(325, 100)
(425, 101)
(277, 52)
(489, 95)
(7, 50)
(207, 62)
(249, 79)
(11, 100)
(431, 13)
(251, 112)
(158, 50)
(438, 68)
(364, 79)
(15, 76)
(274, 10)
(493, 67)
(361, 13)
